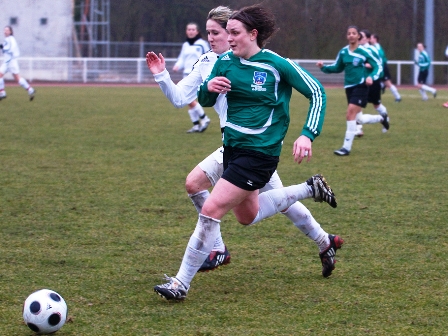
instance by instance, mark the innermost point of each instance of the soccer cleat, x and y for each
(327, 257)
(342, 152)
(398, 100)
(214, 260)
(321, 190)
(385, 121)
(31, 94)
(194, 129)
(2, 95)
(172, 290)
(359, 133)
(434, 94)
(204, 124)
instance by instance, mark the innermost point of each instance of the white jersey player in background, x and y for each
(207, 173)
(10, 55)
(192, 49)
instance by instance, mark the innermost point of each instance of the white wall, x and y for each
(35, 39)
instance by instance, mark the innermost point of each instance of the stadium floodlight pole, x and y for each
(429, 35)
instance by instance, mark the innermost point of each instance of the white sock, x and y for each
(272, 201)
(394, 91)
(23, 83)
(381, 109)
(2, 84)
(305, 222)
(423, 94)
(198, 248)
(198, 200)
(193, 116)
(350, 134)
(368, 118)
(199, 111)
(428, 88)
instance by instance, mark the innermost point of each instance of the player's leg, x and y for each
(205, 175)
(3, 70)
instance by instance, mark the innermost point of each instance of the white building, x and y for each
(42, 28)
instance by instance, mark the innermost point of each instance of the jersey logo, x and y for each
(259, 79)
(226, 58)
(205, 59)
(356, 61)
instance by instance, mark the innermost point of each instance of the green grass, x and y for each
(92, 205)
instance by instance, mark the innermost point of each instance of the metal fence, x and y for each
(134, 70)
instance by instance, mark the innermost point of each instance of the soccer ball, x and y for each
(44, 311)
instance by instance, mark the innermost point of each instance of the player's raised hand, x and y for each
(156, 64)
(302, 149)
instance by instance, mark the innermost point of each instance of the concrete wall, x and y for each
(34, 38)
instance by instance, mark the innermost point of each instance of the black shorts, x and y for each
(357, 95)
(386, 72)
(422, 75)
(248, 169)
(374, 96)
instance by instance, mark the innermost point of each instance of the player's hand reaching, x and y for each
(219, 85)
(156, 64)
(301, 149)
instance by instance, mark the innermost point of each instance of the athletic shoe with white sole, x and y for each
(342, 152)
(31, 93)
(214, 260)
(204, 124)
(2, 95)
(327, 257)
(172, 290)
(195, 129)
(321, 190)
(385, 121)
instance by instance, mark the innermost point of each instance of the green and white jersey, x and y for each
(376, 55)
(352, 62)
(381, 52)
(423, 60)
(258, 103)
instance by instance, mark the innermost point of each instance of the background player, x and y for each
(11, 53)
(192, 48)
(424, 62)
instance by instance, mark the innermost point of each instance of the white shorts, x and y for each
(212, 167)
(11, 66)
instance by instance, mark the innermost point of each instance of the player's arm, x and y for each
(312, 89)
(207, 93)
(376, 64)
(336, 67)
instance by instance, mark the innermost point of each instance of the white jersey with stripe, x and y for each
(186, 90)
(10, 49)
(190, 54)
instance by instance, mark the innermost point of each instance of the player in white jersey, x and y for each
(192, 49)
(208, 172)
(10, 55)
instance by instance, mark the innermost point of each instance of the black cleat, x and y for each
(321, 190)
(214, 260)
(328, 256)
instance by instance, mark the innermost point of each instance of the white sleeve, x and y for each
(181, 58)
(184, 92)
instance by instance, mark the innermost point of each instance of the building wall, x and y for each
(35, 37)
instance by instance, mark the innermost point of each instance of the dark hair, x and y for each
(259, 18)
(10, 29)
(199, 35)
(366, 33)
(376, 37)
(357, 30)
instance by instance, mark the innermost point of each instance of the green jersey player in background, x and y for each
(352, 59)
(424, 62)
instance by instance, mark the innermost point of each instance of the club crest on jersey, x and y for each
(259, 79)
(356, 61)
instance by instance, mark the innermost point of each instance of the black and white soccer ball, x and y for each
(44, 311)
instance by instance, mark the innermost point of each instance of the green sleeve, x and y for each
(336, 67)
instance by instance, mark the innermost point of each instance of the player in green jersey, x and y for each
(424, 62)
(247, 168)
(387, 82)
(351, 59)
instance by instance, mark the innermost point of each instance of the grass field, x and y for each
(92, 205)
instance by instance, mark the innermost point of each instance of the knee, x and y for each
(190, 185)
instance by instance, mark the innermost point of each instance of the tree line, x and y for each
(309, 29)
